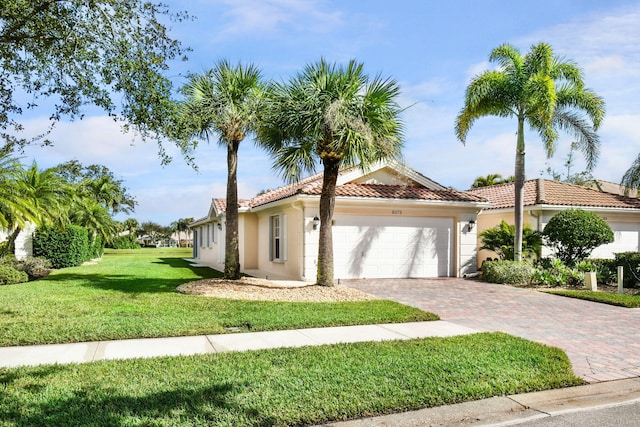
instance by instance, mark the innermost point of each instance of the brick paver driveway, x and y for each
(602, 341)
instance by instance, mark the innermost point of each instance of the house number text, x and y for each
(396, 212)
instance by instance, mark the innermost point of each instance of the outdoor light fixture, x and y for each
(316, 222)
(470, 224)
(219, 226)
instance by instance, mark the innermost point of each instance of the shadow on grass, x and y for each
(109, 407)
(132, 283)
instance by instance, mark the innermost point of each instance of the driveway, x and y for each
(602, 341)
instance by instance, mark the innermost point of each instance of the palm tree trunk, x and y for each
(519, 192)
(10, 247)
(327, 204)
(232, 252)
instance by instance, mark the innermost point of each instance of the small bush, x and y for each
(606, 270)
(553, 272)
(500, 239)
(630, 262)
(10, 276)
(508, 272)
(574, 233)
(34, 266)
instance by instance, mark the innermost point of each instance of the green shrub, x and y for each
(508, 272)
(500, 239)
(124, 242)
(10, 276)
(34, 266)
(553, 272)
(630, 262)
(64, 248)
(574, 233)
(606, 270)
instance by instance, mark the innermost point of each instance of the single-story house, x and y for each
(389, 222)
(544, 198)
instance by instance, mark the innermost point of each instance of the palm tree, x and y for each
(12, 205)
(45, 199)
(335, 116)
(491, 179)
(224, 102)
(542, 90)
(631, 178)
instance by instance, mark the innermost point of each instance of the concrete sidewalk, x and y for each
(154, 347)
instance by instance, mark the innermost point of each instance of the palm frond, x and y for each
(631, 178)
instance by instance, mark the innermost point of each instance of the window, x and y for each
(277, 224)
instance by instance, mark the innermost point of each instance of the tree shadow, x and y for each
(108, 406)
(131, 283)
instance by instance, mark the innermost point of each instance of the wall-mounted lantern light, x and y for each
(219, 226)
(316, 222)
(470, 224)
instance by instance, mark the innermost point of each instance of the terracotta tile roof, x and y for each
(378, 191)
(313, 186)
(548, 192)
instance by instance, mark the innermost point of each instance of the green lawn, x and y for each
(622, 300)
(131, 294)
(307, 385)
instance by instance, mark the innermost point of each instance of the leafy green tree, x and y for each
(491, 179)
(223, 103)
(542, 90)
(499, 239)
(335, 116)
(112, 54)
(98, 183)
(575, 233)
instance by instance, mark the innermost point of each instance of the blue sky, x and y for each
(431, 48)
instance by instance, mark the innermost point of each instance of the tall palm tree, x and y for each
(542, 90)
(335, 116)
(223, 102)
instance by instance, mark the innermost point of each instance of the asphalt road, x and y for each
(625, 415)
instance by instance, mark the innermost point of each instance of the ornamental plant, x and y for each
(574, 233)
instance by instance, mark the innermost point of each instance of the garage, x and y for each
(626, 239)
(392, 247)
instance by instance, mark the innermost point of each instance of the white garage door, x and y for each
(392, 247)
(626, 239)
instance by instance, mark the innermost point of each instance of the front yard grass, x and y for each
(280, 387)
(131, 294)
(622, 300)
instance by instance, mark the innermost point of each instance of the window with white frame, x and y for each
(277, 228)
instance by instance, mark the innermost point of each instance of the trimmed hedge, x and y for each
(124, 242)
(64, 248)
(630, 262)
(10, 276)
(508, 272)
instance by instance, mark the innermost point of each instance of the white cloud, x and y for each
(271, 17)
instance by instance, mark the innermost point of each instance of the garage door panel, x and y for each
(386, 247)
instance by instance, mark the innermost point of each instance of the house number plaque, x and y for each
(396, 212)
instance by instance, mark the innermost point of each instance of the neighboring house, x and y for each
(389, 222)
(24, 241)
(544, 198)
